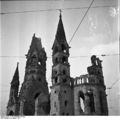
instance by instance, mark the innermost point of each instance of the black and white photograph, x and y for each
(59, 58)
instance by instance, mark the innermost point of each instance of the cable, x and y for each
(79, 56)
(81, 22)
(49, 10)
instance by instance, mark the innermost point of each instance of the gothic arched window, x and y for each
(11, 113)
(64, 72)
(64, 59)
(65, 103)
(81, 100)
(56, 60)
(56, 79)
(63, 48)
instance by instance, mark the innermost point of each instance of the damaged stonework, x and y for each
(83, 95)
(90, 90)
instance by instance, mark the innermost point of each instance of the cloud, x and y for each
(111, 48)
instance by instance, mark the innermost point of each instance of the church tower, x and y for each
(34, 95)
(61, 92)
(13, 105)
(89, 91)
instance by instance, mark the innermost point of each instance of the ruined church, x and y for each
(83, 95)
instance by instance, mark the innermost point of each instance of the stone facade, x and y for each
(83, 95)
(61, 91)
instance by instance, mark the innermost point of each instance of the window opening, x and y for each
(11, 113)
(65, 103)
(39, 79)
(56, 60)
(64, 59)
(64, 72)
(55, 79)
(81, 101)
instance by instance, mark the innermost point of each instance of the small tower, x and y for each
(13, 105)
(61, 92)
(35, 86)
(89, 91)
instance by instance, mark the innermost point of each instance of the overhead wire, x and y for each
(49, 10)
(81, 22)
(78, 56)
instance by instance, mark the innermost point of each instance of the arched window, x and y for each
(11, 113)
(65, 103)
(56, 79)
(63, 48)
(81, 100)
(64, 59)
(64, 71)
(39, 79)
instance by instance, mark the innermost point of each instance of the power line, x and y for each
(79, 56)
(81, 21)
(49, 10)
(113, 84)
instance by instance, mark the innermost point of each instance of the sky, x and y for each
(98, 34)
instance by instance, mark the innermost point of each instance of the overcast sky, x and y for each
(98, 34)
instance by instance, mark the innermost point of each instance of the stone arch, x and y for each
(42, 103)
(28, 108)
(81, 101)
(11, 113)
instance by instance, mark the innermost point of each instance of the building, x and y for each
(83, 95)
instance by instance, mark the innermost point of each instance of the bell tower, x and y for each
(61, 91)
(35, 84)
